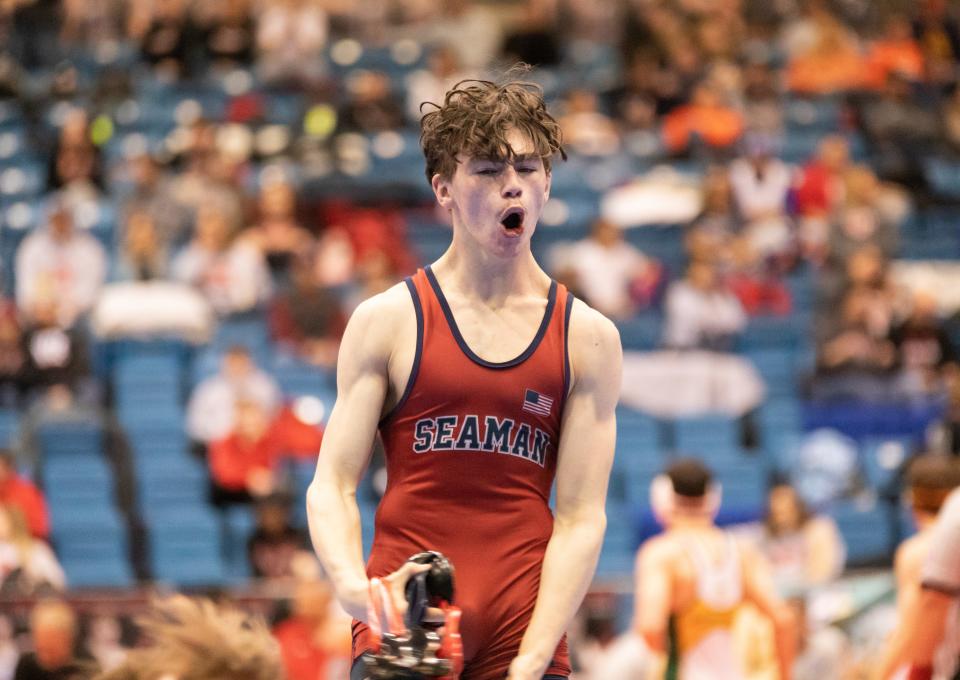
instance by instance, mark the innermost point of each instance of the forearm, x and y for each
(334, 520)
(785, 642)
(568, 569)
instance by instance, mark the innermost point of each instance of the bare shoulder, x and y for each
(377, 322)
(656, 550)
(909, 557)
(595, 350)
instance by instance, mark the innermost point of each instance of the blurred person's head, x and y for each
(930, 479)
(786, 511)
(53, 627)
(60, 220)
(717, 195)
(278, 200)
(312, 599)
(273, 514)
(237, 363)
(213, 227)
(605, 232)
(251, 419)
(581, 100)
(8, 466)
(199, 640)
(686, 490)
(833, 152)
(897, 28)
(74, 130)
(140, 238)
(861, 185)
(706, 95)
(369, 87)
(703, 276)
(144, 170)
(866, 266)
(444, 61)
(924, 307)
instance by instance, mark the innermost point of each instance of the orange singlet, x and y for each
(471, 453)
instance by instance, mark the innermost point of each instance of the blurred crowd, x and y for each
(170, 166)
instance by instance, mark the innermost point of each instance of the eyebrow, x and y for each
(528, 157)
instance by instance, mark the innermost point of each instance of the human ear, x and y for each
(441, 189)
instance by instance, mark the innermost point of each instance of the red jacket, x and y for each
(26, 497)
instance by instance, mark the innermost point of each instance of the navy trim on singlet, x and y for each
(566, 344)
(452, 323)
(415, 369)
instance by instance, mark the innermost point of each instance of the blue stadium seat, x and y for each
(93, 549)
(185, 546)
(866, 531)
(70, 438)
(697, 436)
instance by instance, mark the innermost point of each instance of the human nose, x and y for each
(511, 187)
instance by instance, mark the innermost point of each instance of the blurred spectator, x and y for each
(930, 479)
(950, 114)
(291, 36)
(830, 63)
(901, 131)
(432, 83)
(143, 253)
(153, 192)
(307, 318)
(763, 110)
(55, 355)
(860, 221)
(103, 642)
(210, 411)
(204, 173)
(586, 129)
(820, 192)
(701, 312)
(924, 349)
(314, 643)
(53, 629)
(895, 53)
(9, 652)
(712, 231)
(244, 465)
(611, 275)
(28, 566)
(804, 549)
(74, 165)
(165, 32)
(275, 544)
(705, 119)
(375, 273)
(938, 36)
(535, 39)
(601, 653)
(760, 184)
(59, 264)
(89, 23)
(370, 106)
(19, 493)
(277, 233)
(230, 272)
(455, 19)
(13, 356)
(227, 35)
(823, 651)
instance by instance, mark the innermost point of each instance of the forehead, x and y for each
(521, 148)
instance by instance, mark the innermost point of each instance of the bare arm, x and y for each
(587, 440)
(906, 567)
(654, 595)
(760, 590)
(332, 511)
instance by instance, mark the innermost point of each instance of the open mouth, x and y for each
(513, 220)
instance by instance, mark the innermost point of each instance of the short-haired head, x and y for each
(691, 479)
(931, 477)
(475, 119)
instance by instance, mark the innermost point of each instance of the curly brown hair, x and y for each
(475, 118)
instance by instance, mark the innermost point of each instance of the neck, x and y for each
(687, 522)
(467, 267)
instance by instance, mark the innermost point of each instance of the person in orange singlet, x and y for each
(487, 382)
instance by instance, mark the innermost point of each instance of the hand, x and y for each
(396, 584)
(525, 667)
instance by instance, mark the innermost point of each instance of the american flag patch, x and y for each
(537, 403)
